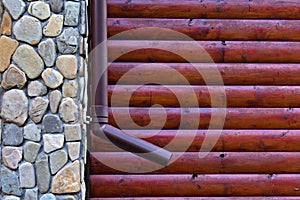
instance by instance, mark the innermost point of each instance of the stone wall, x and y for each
(43, 98)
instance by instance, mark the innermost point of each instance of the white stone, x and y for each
(73, 150)
(39, 9)
(68, 110)
(53, 142)
(15, 7)
(11, 156)
(27, 175)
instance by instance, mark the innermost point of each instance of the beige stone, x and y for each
(54, 26)
(13, 77)
(68, 110)
(52, 78)
(11, 156)
(67, 65)
(54, 97)
(5, 27)
(38, 108)
(7, 48)
(70, 88)
(73, 150)
(39, 9)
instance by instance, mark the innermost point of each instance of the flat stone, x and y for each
(11, 156)
(67, 42)
(10, 182)
(29, 61)
(13, 77)
(52, 124)
(47, 51)
(56, 5)
(14, 107)
(48, 197)
(52, 78)
(36, 88)
(54, 26)
(67, 180)
(38, 108)
(12, 135)
(27, 175)
(53, 142)
(6, 24)
(55, 98)
(73, 150)
(7, 48)
(72, 132)
(28, 29)
(70, 88)
(32, 132)
(72, 13)
(15, 7)
(42, 173)
(39, 9)
(31, 194)
(65, 197)
(31, 149)
(68, 110)
(57, 160)
(10, 197)
(83, 26)
(67, 65)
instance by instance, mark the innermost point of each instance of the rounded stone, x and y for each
(36, 88)
(7, 48)
(68, 110)
(52, 124)
(56, 5)
(73, 150)
(10, 182)
(54, 26)
(38, 108)
(67, 65)
(54, 97)
(67, 42)
(48, 197)
(15, 7)
(12, 135)
(6, 24)
(70, 88)
(13, 77)
(27, 175)
(32, 132)
(52, 78)
(43, 175)
(39, 9)
(53, 142)
(72, 12)
(11, 157)
(47, 50)
(57, 160)
(31, 149)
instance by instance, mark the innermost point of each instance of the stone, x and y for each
(29, 61)
(6, 24)
(68, 110)
(32, 132)
(12, 135)
(43, 175)
(67, 65)
(28, 29)
(31, 150)
(15, 7)
(0, 136)
(7, 48)
(72, 13)
(82, 26)
(10, 182)
(67, 180)
(72, 132)
(56, 5)
(38, 108)
(52, 124)
(39, 9)
(73, 150)
(70, 88)
(36, 88)
(55, 98)
(65, 197)
(57, 160)
(54, 26)
(53, 142)
(47, 51)
(11, 156)
(10, 197)
(27, 175)
(48, 197)
(52, 78)
(14, 107)
(13, 77)
(67, 42)
(31, 194)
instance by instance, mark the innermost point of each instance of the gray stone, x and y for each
(57, 160)
(68, 66)
(56, 5)
(72, 11)
(73, 150)
(48, 197)
(11, 157)
(38, 108)
(42, 173)
(36, 88)
(54, 26)
(65, 197)
(15, 7)
(31, 150)
(13, 77)
(52, 78)
(39, 9)
(10, 197)
(52, 124)
(7, 48)
(0, 136)
(68, 110)
(67, 42)
(53, 142)
(70, 88)
(72, 132)
(47, 50)
(55, 98)
(29, 61)
(12, 135)
(27, 175)
(10, 182)
(31, 194)
(28, 29)
(82, 26)
(32, 132)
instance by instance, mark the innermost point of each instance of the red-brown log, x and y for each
(203, 198)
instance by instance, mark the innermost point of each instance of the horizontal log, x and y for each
(207, 29)
(236, 118)
(287, 9)
(189, 162)
(210, 51)
(204, 198)
(194, 185)
(229, 140)
(232, 73)
(200, 96)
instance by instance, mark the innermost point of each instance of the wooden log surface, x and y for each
(204, 198)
